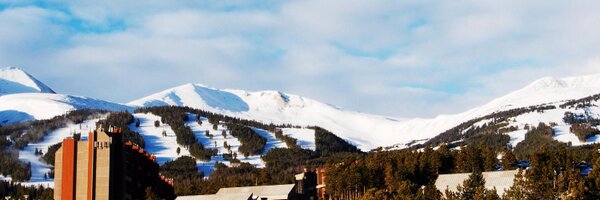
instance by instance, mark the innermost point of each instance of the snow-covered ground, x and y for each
(163, 147)
(218, 140)
(35, 106)
(562, 131)
(305, 136)
(38, 166)
(359, 128)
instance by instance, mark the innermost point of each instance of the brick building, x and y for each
(106, 167)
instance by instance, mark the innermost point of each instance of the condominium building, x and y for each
(106, 167)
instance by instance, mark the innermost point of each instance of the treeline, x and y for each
(252, 142)
(176, 118)
(20, 171)
(289, 141)
(50, 154)
(215, 118)
(572, 118)
(456, 133)
(535, 138)
(36, 130)
(11, 190)
(122, 120)
(583, 131)
(328, 143)
(281, 165)
(188, 181)
(581, 103)
(410, 174)
(11, 166)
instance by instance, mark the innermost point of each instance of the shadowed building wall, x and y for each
(105, 167)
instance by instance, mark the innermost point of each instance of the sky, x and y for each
(396, 58)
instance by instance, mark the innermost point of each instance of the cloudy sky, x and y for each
(397, 58)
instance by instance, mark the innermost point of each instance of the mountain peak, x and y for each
(15, 80)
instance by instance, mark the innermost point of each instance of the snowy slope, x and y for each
(365, 130)
(38, 166)
(165, 147)
(29, 106)
(14, 80)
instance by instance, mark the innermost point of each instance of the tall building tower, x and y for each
(105, 167)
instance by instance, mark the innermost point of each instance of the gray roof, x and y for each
(501, 180)
(240, 196)
(267, 191)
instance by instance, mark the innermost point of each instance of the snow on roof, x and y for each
(241, 196)
(267, 191)
(501, 180)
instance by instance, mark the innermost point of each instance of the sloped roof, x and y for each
(267, 191)
(500, 179)
(240, 196)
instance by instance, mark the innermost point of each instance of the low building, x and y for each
(266, 192)
(239, 196)
(500, 180)
(106, 167)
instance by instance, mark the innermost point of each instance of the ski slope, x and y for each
(364, 130)
(217, 141)
(562, 130)
(163, 147)
(305, 137)
(38, 166)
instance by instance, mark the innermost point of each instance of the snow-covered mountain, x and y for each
(365, 130)
(14, 80)
(23, 97)
(34, 106)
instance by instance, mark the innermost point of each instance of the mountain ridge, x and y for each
(15, 80)
(269, 106)
(368, 131)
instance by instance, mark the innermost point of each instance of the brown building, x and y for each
(321, 183)
(105, 167)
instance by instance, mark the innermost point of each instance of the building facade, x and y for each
(106, 167)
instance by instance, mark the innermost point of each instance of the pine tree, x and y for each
(178, 150)
(473, 187)
(224, 134)
(489, 157)
(593, 180)
(518, 190)
(156, 123)
(137, 123)
(509, 161)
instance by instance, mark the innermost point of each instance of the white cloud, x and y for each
(409, 58)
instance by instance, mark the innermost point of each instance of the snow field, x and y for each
(38, 166)
(163, 147)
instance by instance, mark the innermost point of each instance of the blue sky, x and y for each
(395, 58)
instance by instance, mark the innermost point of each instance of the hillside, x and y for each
(35, 106)
(365, 130)
(14, 80)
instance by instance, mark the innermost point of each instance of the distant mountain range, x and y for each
(22, 97)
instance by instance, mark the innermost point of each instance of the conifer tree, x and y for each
(473, 187)
(519, 188)
(509, 161)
